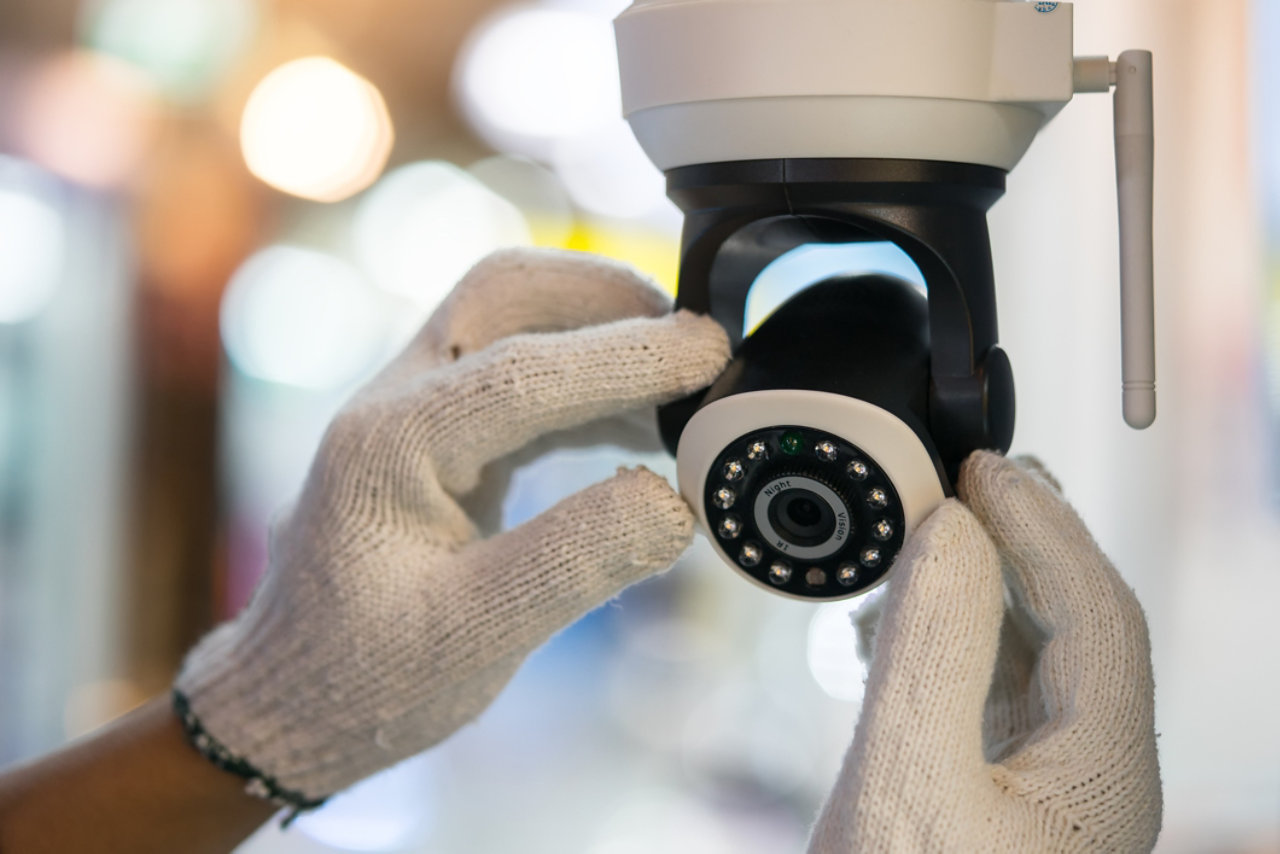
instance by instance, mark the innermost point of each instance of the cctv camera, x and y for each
(810, 457)
(842, 419)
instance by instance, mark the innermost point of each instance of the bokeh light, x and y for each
(533, 75)
(833, 652)
(316, 129)
(535, 190)
(425, 224)
(661, 820)
(390, 811)
(738, 739)
(87, 117)
(607, 173)
(32, 240)
(184, 46)
(302, 318)
(543, 83)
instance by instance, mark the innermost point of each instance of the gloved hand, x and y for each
(1032, 736)
(384, 622)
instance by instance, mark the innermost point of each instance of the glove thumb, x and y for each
(922, 717)
(936, 644)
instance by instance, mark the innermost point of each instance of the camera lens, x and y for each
(802, 517)
(803, 512)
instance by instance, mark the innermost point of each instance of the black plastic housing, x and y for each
(865, 337)
(741, 216)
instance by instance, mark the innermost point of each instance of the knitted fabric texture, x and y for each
(1026, 731)
(384, 622)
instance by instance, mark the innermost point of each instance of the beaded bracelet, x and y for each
(257, 783)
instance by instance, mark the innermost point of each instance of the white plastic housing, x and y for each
(968, 81)
(881, 435)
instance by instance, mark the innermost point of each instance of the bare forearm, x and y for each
(136, 786)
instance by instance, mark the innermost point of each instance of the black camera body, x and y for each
(842, 420)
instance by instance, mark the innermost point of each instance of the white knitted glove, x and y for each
(383, 622)
(1054, 752)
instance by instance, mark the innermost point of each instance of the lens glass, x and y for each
(804, 512)
(802, 518)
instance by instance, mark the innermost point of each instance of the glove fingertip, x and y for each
(946, 556)
(662, 517)
(983, 470)
(978, 473)
(950, 568)
(706, 343)
(1000, 490)
(593, 544)
(1033, 466)
(951, 529)
(937, 642)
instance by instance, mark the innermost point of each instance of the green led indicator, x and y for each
(792, 443)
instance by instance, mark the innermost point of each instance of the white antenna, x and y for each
(1135, 159)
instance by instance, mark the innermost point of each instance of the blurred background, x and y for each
(218, 216)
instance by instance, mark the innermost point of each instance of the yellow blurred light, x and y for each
(648, 250)
(316, 129)
(87, 117)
